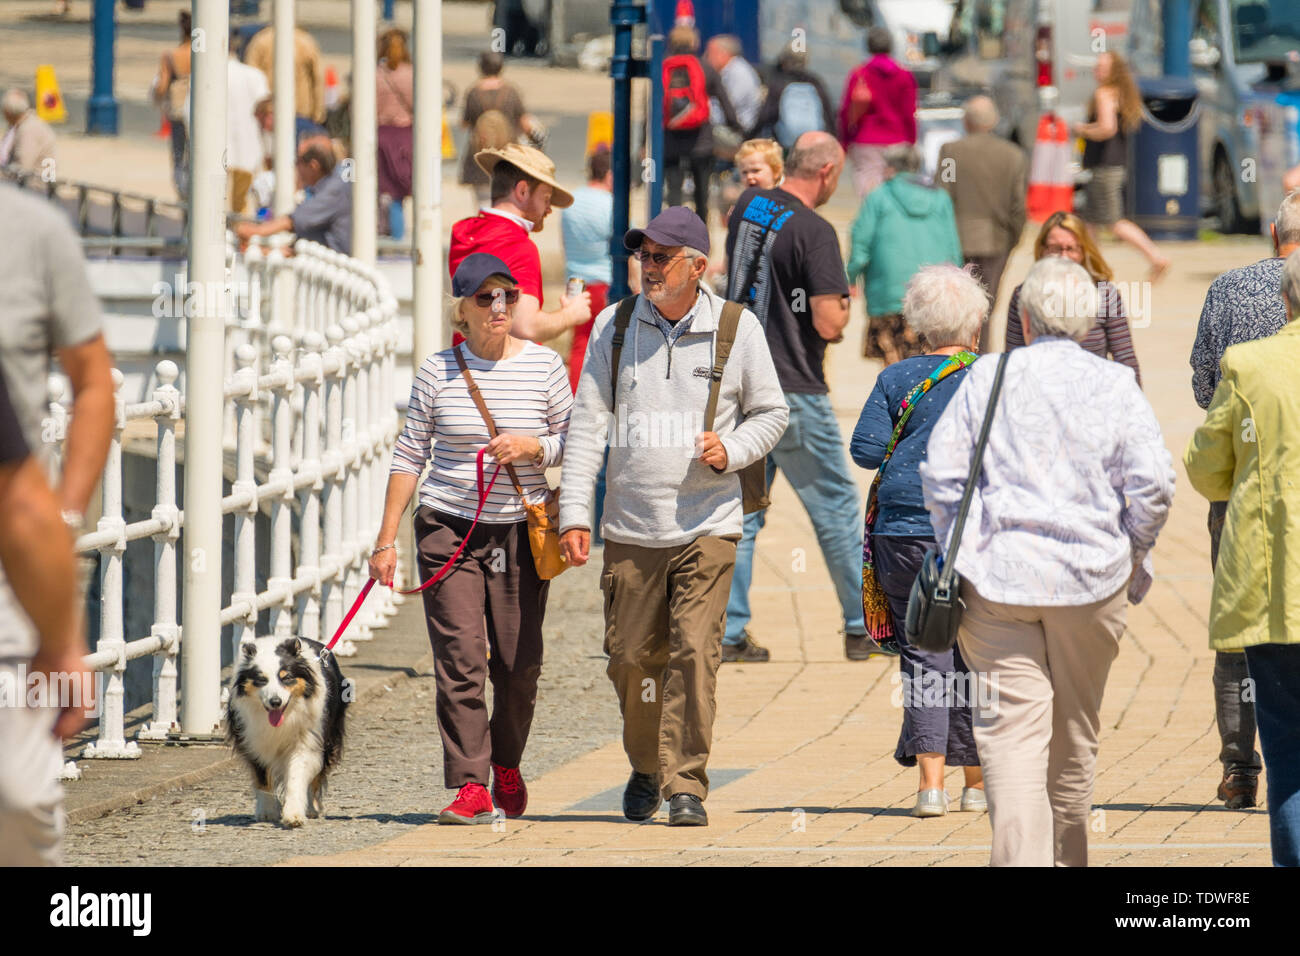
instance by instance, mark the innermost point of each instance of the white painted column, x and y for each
(205, 347)
(426, 187)
(285, 108)
(365, 185)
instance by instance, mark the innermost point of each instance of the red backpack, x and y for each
(686, 102)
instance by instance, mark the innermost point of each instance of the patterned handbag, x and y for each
(875, 607)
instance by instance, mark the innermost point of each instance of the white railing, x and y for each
(309, 393)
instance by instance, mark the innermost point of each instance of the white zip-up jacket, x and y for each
(658, 493)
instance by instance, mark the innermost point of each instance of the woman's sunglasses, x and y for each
(485, 299)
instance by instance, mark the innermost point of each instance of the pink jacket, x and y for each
(891, 117)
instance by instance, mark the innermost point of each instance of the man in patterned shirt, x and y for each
(1241, 305)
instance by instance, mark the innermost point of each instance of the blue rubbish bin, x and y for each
(1163, 176)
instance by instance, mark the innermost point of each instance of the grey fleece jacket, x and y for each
(658, 493)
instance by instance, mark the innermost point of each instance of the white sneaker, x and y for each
(930, 803)
(973, 800)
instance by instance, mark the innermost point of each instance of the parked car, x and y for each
(1240, 50)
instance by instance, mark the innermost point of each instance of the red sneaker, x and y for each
(509, 791)
(472, 805)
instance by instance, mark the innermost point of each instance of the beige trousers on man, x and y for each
(664, 614)
(1042, 672)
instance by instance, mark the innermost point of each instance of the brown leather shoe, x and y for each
(860, 647)
(1238, 790)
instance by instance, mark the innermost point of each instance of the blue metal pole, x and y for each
(101, 111)
(656, 138)
(388, 9)
(1177, 34)
(623, 16)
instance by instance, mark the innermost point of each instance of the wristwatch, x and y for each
(538, 458)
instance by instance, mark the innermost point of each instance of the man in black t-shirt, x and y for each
(785, 265)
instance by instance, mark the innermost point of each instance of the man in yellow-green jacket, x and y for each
(1248, 452)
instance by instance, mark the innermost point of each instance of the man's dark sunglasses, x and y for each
(484, 299)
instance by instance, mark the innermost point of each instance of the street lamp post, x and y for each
(101, 111)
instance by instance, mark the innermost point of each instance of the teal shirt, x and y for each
(902, 225)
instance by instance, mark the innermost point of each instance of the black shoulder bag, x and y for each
(934, 607)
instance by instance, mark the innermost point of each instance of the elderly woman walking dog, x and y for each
(496, 397)
(1076, 485)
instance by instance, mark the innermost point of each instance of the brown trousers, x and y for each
(491, 600)
(664, 614)
(1041, 672)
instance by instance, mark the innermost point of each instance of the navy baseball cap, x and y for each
(675, 226)
(474, 269)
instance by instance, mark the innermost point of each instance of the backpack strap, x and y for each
(622, 319)
(723, 340)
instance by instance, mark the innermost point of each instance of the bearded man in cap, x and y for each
(523, 190)
(673, 502)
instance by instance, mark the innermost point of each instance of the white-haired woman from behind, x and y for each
(1076, 484)
(947, 307)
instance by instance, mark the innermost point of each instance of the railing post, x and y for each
(281, 575)
(352, 543)
(112, 740)
(165, 626)
(244, 386)
(335, 472)
(311, 365)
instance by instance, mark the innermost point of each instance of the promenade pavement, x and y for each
(802, 768)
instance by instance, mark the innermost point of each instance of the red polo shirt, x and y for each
(503, 238)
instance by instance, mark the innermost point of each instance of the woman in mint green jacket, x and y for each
(1248, 453)
(903, 224)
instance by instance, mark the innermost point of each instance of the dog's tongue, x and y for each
(275, 716)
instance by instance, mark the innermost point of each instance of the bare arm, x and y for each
(36, 551)
(246, 230)
(830, 315)
(531, 323)
(1107, 123)
(89, 368)
(401, 485)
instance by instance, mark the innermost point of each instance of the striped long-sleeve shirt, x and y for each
(527, 394)
(1109, 338)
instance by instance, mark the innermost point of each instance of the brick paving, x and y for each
(802, 760)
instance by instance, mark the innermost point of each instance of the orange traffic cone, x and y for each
(164, 128)
(331, 88)
(1051, 188)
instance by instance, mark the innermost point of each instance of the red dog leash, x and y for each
(370, 582)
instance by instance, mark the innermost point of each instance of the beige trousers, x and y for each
(665, 609)
(1041, 674)
(31, 796)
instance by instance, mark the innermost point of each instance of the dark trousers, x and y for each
(701, 167)
(936, 702)
(988, 269)
(1275, 669)
(1235, 716)
(490, 601)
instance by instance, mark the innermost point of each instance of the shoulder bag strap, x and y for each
(622, 319)
(954, 364)
(949, 574)
(723, 340)
(477, 396)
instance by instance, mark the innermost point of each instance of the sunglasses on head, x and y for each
(485, 299)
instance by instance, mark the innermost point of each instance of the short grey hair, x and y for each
(1291, 281)
(902, 158)
(15, 103)
(981, 115)
(692, 253)
(1288, 219)
(1059, 298)
(812, 151)
(945, 305)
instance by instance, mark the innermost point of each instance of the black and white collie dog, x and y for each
(285, 718)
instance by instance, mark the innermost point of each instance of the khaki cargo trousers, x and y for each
(665, 609)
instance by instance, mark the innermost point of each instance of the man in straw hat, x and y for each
(523, 189)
